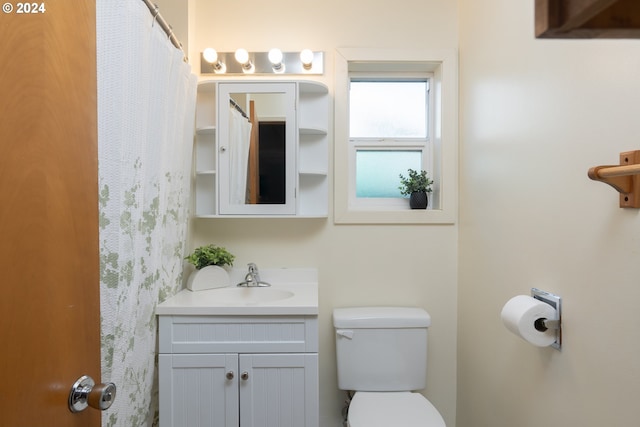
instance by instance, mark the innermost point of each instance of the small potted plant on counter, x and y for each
(209, 262)
(416, 186)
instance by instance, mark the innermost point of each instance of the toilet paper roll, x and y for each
(519, 315)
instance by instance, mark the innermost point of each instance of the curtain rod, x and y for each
(235, 105)
(155, 11)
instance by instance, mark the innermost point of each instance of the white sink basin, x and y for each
(293, 291)
(249, 295)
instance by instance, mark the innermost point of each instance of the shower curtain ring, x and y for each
(155, 14)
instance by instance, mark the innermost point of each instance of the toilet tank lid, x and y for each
(380, 317)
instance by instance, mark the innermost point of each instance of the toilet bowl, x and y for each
(382, 357)
(392, 409)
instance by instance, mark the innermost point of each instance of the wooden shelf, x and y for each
(587, 19)
(625, 178)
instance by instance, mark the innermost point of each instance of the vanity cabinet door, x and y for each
(198, 390)
(279, 390)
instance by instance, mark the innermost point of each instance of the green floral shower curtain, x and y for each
(146, 108)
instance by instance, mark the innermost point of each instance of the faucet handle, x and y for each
(252, 278)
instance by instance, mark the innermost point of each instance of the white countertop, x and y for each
(301, 282)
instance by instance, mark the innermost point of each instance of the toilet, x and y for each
(381, 355)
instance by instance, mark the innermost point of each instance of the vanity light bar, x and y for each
(225, 63)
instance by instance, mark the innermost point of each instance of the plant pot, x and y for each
(418, 200)
(209, 277)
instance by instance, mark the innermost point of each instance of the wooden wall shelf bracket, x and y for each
(625, 178)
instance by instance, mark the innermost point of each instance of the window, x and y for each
(377, 171)
(388, 134)
(394, 110)
(392, 107)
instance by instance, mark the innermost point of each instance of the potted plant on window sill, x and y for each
(209, 262)
(416, 186)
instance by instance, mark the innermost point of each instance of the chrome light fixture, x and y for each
(242, 62)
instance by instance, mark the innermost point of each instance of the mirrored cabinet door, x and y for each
(257, 148)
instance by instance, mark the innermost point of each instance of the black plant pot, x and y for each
(418, 200)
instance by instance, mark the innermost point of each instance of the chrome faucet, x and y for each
(253, 277)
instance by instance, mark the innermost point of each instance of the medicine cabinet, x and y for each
(261, 149)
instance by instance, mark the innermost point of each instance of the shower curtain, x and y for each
(146, 110)
(239, 141)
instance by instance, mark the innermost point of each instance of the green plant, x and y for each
(415, 182)
(210, 255)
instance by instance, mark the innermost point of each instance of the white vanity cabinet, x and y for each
(230, 371)
(304, 115)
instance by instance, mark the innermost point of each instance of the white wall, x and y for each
(358, 265)
(536, 115)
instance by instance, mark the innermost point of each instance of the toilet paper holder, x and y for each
(544, 324)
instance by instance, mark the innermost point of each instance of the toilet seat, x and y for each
(385, 409)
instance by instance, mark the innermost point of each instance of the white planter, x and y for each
(209, 277)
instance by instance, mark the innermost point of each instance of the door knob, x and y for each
(85, 393)
(244, 376)
(230, 375)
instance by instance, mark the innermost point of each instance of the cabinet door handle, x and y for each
(244, 375)
(230, 375)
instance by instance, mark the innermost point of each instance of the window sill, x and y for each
(393, 216)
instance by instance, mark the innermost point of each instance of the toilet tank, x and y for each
(381, 348)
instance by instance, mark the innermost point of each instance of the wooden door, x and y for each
(49, 255)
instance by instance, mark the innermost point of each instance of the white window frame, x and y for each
(390, 144)
(443, 139)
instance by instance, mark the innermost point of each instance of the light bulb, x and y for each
(306, 56)
(242, 56)
(275, 57)
(210, 55)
